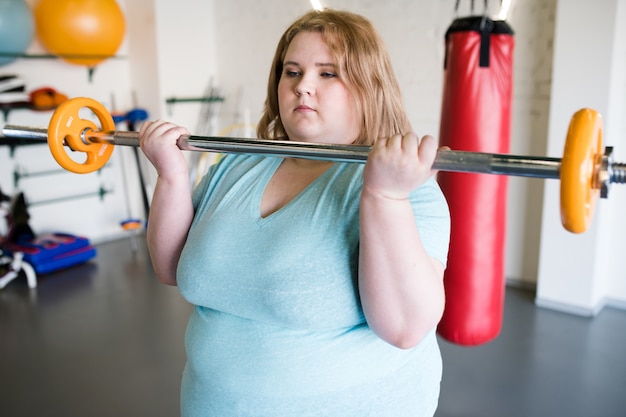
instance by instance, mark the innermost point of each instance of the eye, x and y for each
(291, 73)
(328, 74)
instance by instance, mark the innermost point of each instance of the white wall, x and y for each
(575, 271)
(533, 23)
(172, 55)
(616, 120)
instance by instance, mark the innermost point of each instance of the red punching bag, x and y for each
(476, 116)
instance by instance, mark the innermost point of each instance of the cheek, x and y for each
(346, 101)
(282, 91)
(344, 97)
(284, 85)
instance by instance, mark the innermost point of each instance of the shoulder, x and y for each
(344, 181)
(230, 169)
(348, 174)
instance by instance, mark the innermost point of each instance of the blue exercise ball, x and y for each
(17, 28)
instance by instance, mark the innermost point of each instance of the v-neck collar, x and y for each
(264, 182)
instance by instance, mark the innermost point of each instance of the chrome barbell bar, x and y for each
(446, 160)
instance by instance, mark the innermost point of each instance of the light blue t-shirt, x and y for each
(278, 328)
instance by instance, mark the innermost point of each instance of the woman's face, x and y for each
(314, 104)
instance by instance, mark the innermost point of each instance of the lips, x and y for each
(302, 107)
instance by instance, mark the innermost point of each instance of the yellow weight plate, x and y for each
(66, 127)
(581, 160)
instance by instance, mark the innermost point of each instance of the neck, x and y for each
(308, 164)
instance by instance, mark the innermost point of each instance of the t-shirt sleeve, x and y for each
(199, 190)
(202, 186)
(433, 219)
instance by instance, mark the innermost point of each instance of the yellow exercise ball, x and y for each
(82, 32)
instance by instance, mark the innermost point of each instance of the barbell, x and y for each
(586, 169)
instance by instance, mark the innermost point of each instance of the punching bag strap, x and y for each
(486, 6)
(482, 25)
(486, 26)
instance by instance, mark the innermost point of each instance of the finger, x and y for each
(176, 131)
(152, 127)
(143, 127)
(393, 143)
(427, 150)
(410, 143)
(144, 132)
(166, 131)
(396, 140)
(381, 142)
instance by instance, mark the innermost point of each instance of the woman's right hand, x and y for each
(158, 141)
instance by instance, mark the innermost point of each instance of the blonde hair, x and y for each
(363, 65)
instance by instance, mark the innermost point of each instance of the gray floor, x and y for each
(105, 339)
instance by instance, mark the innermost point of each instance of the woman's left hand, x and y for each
(399, 164)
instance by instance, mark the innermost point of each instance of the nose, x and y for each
(304, 86)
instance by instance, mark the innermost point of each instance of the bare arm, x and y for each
(401, 286)
(171, 210)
